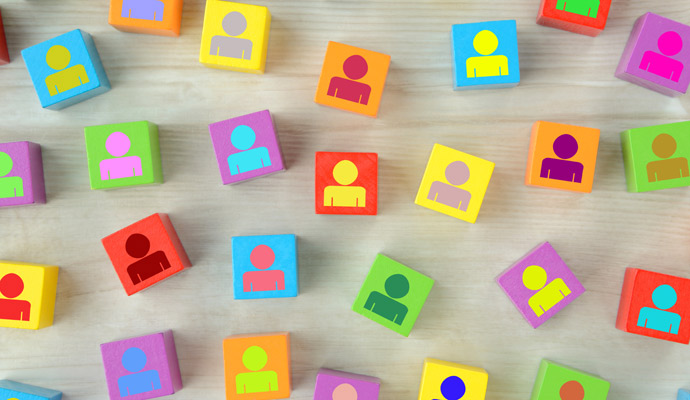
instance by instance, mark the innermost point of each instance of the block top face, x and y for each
(540, 284)
(343, 385)
(147, 16)
(346, 183)
(590, 13)
(12, 390)
(26, 290)
(16, 174)
(352, 79)
(555, 381)
(446, 380)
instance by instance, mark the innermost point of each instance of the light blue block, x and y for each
(257, 275)
(20, 391)
(683, 394)
(83, 63)
(487, 61)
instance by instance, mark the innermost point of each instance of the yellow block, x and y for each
(27, 295)
(235, 36)
(471, 384)
(454, 183)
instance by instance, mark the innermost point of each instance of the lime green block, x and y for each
(393, 295)
(656, 157)
(555, 382)
(122, 155)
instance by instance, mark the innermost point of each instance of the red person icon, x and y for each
(11, 286)
(355, 67)
(263, 257)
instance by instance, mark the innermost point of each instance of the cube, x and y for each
(586, 17)
(555, 381)
(264, 266)
(4, 53)
(146, 252)
(257, 366)
(447, 380)
(562, 157)
(393, 295)
(28, 294)
(21, 174)
(143, 367)
(454, 183)
(352, 79)
(332, 384)
(655, 305)
(20, 391)
(485, 55)
(153, 17)
(235, 36)
(246, 147)
(346, 183)
(683, 394)
(656, 157)
(657, 55)
(66, 70)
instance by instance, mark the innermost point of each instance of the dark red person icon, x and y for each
(138, 246)
(11, 286)
(565, 146)
(572, 390)
(263, 257)
(355, 67)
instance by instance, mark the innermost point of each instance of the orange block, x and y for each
(352, 79)
(153, 17)
(562, 156)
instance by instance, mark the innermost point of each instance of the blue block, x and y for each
(66, 70)
(683, 394)
(482, 52)
(16, 390)
(264, 266)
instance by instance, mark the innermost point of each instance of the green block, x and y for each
(122, 155)
(656, 157)
(393, 295)
(556, 382)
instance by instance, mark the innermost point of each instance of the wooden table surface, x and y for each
(566, 78)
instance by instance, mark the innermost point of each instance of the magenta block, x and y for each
(332, 384)
(657, 55)
(143, 367)
(540, 284)
(21, 174)
(246, 147)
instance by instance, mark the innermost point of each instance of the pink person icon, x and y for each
(263, 257)
(670, 44)
(118, 145)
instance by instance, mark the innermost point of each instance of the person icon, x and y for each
(384, 305)
(345, 391)
(243, 138)
(134, 360)
(565, 147)
(588, 8)
(138, 246)
(664, 146)
(534, 278)
(262, 258)
(10, 186)
(151, 10)
(234, 24)
(485, 43)
(663, 297)
(257, 381)
(452, 388)
(345, 172)
(457, 173)
(572, 390)
(58, 58)
(11, 286)
(670, 44)
(117, 145)
(355, 67)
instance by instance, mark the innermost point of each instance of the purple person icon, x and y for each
(151, 10)
(457, 173)
(565, 147)
(355, 67)
(118, 144)
(670, 44)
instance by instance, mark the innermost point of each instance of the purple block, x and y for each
(332, 384)
(143, 367)
(246, 147)
(657, 55)
(21, 174)
(540, 284)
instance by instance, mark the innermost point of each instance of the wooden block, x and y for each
(4, 52)
(12, 390)
(562, 156)
(454, 183)
(340, 385)
(447, 380)
(257, 367)
(264, 266)
(235, 36)
(246, 147)
(352, 79)
(657, 55)
(586, 17)
(485, 55)
(146, 252)
(555, 381)
(27, 295)
(346, 183)
(683, 394)
(21, 174)
(66, 70)
(153, 17)
(143, 367)
(656, 157)
(655, 305)
(393, 295)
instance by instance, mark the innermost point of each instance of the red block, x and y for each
(346, 183)
(146, 252)
(575, 15)
(655, 305)
(4, 53)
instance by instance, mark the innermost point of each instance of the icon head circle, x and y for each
(457, 173)
(254, 358)
(117, 144)
(670, 43)
(243, 137)
(453, 388)
(262, 257)
(344, 391)
(345, 172)
(355, 67)
(11, 286)
(485, 42)
(664, 297)
(534, 277)
(137, 245)
(134, 359)
(565, 146)
(234, 23)
(572, 390)
(664, 145)
(5, 164)
(397, 286)
(58, 57)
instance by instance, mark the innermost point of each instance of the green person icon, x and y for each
(384, 305)
(588, 8)
(257, 381)
(11, 186)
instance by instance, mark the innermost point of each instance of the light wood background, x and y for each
(566, 78)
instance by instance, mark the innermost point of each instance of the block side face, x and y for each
(346, 183)
(559, 379)
(21, 168)
(154, 17)
(172, 360)
(28, 295)
(627, 291)
(4, 53)
(459, 378)
(48, 296)
(11, 389)
(264, 266)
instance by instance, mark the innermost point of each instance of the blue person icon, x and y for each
(134, 360)
(452, 388)
(663, 297)
(243, 138)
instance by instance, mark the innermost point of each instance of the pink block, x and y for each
(143, 367)
(540, 284)
(21, 174)
(337, 385)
